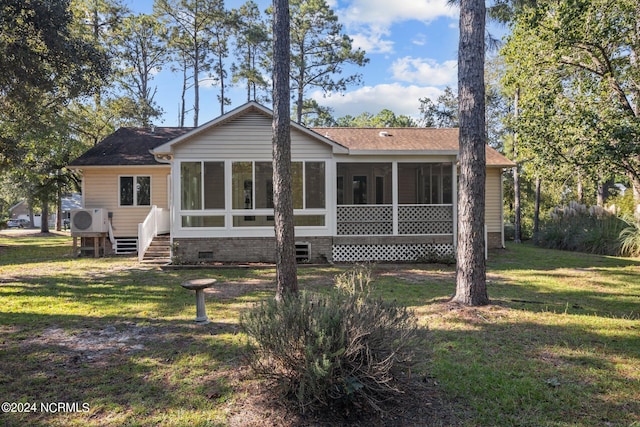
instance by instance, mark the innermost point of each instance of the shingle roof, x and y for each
(131, 146)
(128, 146)
(426, 140)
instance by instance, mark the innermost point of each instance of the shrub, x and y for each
(578, 228)
(345, 346)
(630, 238)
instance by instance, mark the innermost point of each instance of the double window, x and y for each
(135, 190)
(252, 185)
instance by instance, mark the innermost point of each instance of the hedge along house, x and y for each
(358, 194)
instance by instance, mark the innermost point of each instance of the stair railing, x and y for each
(157, 221)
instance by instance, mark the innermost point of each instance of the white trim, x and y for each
(454, 200)
(388, 153)
(501, 208)
(395, 198)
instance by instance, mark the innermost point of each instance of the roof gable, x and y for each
(250, 107)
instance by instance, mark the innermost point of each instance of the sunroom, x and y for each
(246, 203)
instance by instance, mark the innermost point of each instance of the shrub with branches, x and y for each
(345, 346)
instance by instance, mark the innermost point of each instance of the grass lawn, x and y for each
(114, 341)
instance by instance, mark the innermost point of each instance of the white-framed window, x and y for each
(202, 185)
(252, 185)
(134, 190)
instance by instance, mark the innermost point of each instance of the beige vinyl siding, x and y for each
(493, 200)
(247, 137)
(100, 188)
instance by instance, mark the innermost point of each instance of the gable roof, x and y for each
(409, 141)
(249, 107)
(138, 146)
(128, 146)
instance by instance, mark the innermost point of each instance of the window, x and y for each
(202, 184)
(314, 180)
(135, 191)
(307, 185)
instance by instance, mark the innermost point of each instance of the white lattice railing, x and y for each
(425, 219)
(365, 220)
(357, 220)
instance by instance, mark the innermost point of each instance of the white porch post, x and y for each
(331, 181)
(454, 173)
(394, 195)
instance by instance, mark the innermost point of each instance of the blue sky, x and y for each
(411, 46)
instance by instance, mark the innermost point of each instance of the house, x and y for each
(359, 194)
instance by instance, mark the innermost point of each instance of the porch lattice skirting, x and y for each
(370, 230)
(391, 252)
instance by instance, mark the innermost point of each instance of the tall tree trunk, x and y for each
(635, 185)
(600, 193)
(196, 89)
(536, 211)
(471, 283)
(286, 268)
(44, 219)
(517, 223)
(59, 207)
(183, 94)
(580, 188)
(222, 95)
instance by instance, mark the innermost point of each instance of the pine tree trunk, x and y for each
(471, 287)
(517, 222)
(286, 268)
(536, 211)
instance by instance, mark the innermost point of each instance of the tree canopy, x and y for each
(575, 64)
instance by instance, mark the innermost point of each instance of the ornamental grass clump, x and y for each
(630, 237)
(343, 347)
(577, 228)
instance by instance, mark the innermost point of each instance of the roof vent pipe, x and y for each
(384, 134)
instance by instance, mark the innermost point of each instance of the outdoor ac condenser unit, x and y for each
(89, 220)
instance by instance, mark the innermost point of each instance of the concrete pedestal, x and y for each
(199, 285)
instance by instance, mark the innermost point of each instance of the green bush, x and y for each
(630, 238)
(342, 347)
(578, 228)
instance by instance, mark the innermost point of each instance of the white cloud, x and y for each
(425, 71)
(384, 12)
(369, 22)
(372, 40)
(419, 39)
(373, 99)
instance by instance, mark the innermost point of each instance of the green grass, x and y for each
(558, 346)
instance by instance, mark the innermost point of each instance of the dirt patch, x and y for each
(92, 345)
(234, 289)
(416, 275)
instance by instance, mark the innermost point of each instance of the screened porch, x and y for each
(370, 203)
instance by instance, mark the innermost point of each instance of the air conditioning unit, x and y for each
(89, 220)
